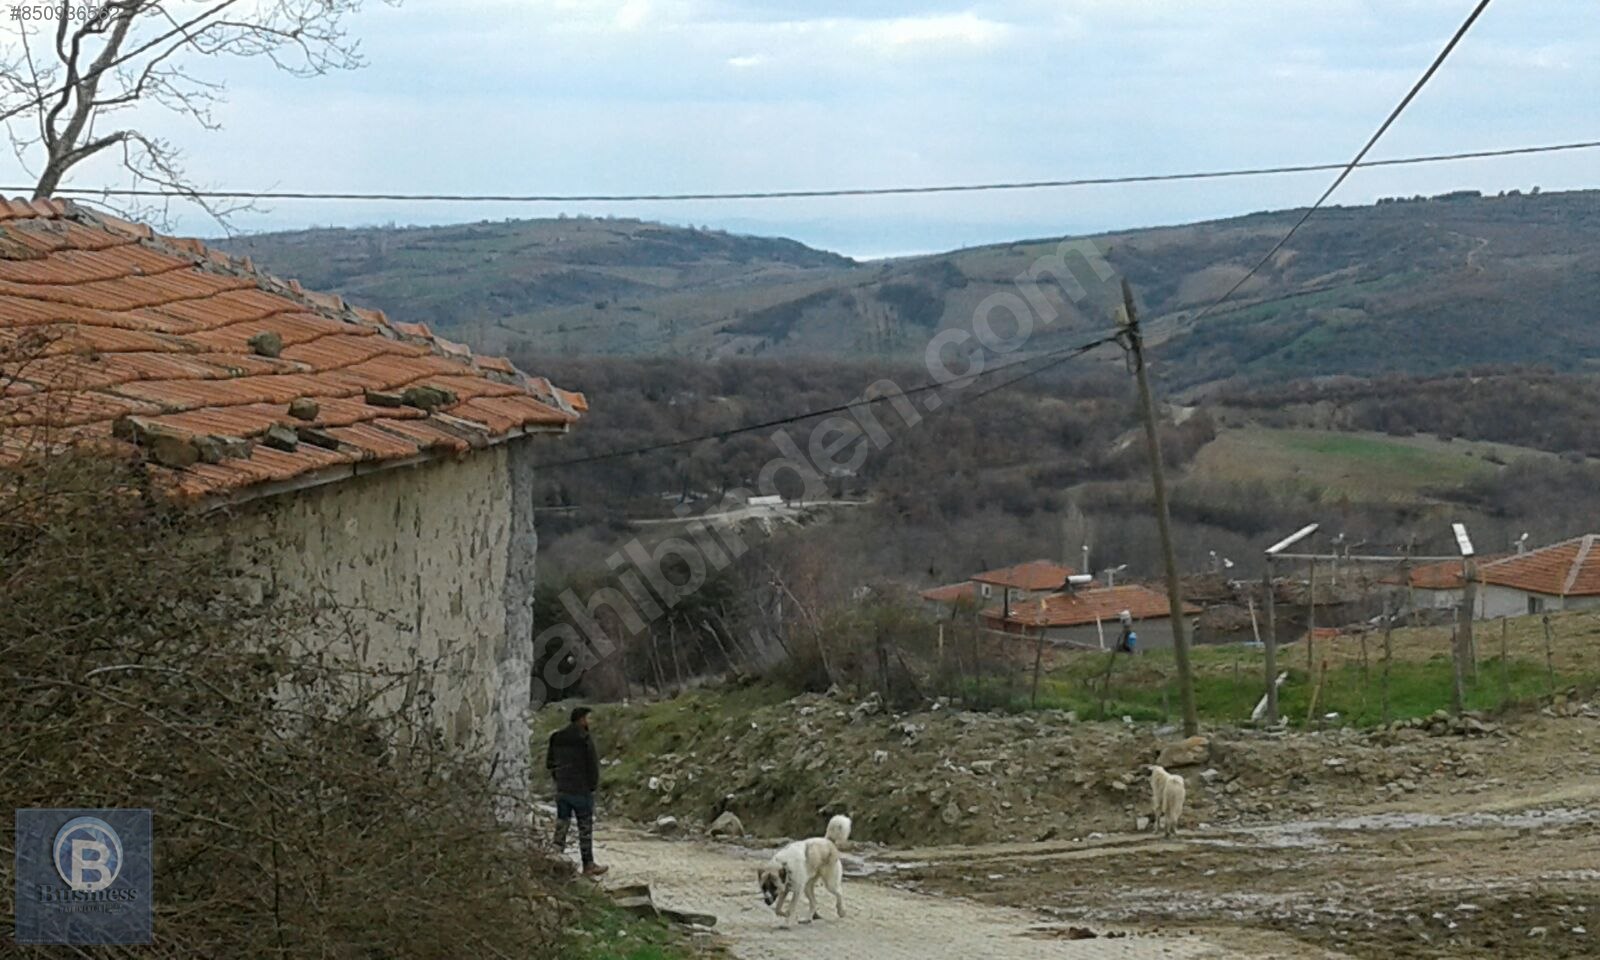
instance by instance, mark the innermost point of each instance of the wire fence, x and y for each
(1360, 643)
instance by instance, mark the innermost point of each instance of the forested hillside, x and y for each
(1057, 461)
(1410, 286)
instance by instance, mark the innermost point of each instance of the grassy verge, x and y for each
(605, 933)
(1230, 680)
(670, 726)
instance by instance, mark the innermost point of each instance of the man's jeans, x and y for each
(581, 804)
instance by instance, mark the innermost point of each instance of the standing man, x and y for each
(573, 762)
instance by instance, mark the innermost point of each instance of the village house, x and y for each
(1435, 586)
(384, 468)
(1010, 585)
(1091, 617)
(1562, 576)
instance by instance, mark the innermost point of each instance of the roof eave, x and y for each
(347, 471)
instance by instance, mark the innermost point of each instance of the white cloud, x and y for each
(940, 30)
(747, 61)
(633, 14)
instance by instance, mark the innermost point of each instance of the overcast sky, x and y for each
(692, 95)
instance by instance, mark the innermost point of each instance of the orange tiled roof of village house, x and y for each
(1570, 568)
(1086, 606)
(1033, 575)
(951, 593)
(112, 334)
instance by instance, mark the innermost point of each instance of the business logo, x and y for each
(83, 876)
(88, 854)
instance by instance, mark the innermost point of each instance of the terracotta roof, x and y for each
(951, 593)
(1570, 568)
(1033, 575)
(1446, 575)
(110, 333)
(1085, 606)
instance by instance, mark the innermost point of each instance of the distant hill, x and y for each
(570, 280)
(1408, 286)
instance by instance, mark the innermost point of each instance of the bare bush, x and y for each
(298, 809)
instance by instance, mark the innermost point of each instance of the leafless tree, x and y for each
(73, 76)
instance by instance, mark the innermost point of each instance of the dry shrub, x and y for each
(296, 810)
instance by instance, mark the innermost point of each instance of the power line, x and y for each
(1058, 357)
(1237, 173)
(1344, 174)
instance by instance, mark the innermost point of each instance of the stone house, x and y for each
(385, 468)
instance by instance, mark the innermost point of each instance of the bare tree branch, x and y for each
(147, 52)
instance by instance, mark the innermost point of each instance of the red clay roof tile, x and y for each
(1033, 575)
(1085, 606)
(1570, 568)
(951, 593)
(101, 318)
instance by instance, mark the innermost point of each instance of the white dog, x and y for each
(1166, 796)
(798, 867)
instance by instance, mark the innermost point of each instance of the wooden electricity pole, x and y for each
(1180, 641)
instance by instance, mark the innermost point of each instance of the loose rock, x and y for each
(727, 825)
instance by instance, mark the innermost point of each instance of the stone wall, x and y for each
(429, 565)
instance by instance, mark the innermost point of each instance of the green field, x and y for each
(1230, 680)
(1366, 466)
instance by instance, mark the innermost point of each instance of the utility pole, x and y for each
(1134, 344)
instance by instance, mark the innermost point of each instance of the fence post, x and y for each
(1038, 658)
(1316, 692)
(1549, 657)
(1388, 651)
(1105, 682)
(1505, 667)
(1457, 682)
(1366, 676)
(1311, 620)
(1469, 647)
(1269, 647)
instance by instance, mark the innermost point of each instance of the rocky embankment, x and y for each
(944, 775)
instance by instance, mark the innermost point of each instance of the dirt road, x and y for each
(1514, 872)
(882, 922)
(1509, 874)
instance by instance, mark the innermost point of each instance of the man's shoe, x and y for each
(595, 870)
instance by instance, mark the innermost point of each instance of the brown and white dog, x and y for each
(800, 866)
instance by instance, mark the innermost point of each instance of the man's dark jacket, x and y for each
(573, 760)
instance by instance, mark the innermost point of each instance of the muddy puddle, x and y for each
(1320, 833)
